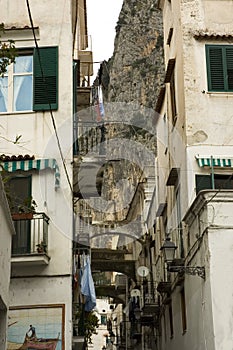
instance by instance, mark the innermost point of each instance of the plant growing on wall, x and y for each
(87, 325)
(7, 52)
(41, 247)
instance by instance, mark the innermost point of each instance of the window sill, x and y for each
(220, 93)
(17, 112)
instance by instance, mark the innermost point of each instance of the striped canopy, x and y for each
(37, 164)
(215, 161)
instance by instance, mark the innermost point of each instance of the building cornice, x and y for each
(204, 35)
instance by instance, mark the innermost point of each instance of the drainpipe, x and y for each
(212, 172)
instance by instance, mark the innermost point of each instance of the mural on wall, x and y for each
(36, 327)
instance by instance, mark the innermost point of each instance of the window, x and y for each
(169, 37)
(103, 319)
(170, 78)
(25, 88)
(204, 182)
(166, 132)
(20, 193)
(173, 98)
(219, 59)
(16, 86)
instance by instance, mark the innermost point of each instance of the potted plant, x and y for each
(41, 247)
(25, 210)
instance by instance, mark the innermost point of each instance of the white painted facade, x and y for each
(103, 312)
(34, 283)
(199, 224)
(6, 231)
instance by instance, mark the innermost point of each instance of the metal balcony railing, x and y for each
(89, 138)
(31, 233)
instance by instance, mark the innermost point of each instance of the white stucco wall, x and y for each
(50, 284)
(204, 127)
(221, 262)
(203, 118)
(6, 231)
(208, 115)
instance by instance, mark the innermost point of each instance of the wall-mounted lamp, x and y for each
(168, 250)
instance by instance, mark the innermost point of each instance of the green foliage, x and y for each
(7, 53)
(88, 323)
(28, 206)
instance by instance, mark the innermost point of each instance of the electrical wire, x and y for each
(45, 88)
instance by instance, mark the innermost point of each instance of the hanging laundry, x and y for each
(97, 102)
(87, 285)
(101, 102)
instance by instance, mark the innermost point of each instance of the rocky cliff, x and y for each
(135, 72)
(131, 81)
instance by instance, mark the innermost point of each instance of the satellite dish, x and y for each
(135, 293)
(143, 271)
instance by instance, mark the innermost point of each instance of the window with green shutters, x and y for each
(219, 59)
(45, 82)
(31, 82)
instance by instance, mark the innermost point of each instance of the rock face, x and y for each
(135, 72)
(131, 82)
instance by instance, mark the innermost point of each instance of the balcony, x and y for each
(29, 244)
(89, 157)
(84, 71)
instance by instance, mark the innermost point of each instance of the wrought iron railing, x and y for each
(89, 138)
(31, 233)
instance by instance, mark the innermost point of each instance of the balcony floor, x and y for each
(30, 259)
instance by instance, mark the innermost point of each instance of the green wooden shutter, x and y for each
(229, 63)
(215, 69)
(45, 82)
(203, 182)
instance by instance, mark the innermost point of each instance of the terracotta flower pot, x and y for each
(22, 216)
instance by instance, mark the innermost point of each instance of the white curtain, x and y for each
(3, 94)
(23, 84)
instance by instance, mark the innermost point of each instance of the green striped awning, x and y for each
(215, 161)
(36, 164)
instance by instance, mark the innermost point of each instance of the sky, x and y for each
(102, 16)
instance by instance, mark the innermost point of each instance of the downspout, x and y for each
(212, 172)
